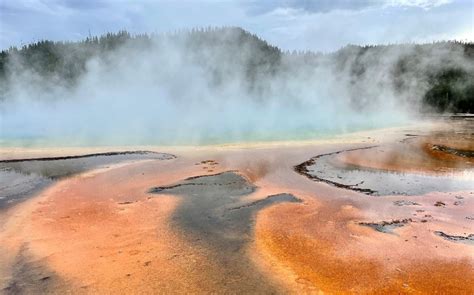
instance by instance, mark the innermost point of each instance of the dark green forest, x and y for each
(443, 71)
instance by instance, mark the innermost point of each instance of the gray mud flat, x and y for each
(213, 216)
(30, 276)
(453, 151)
(21, 178)
(376, 182)
(387, 227)
(468, 239)
(405, 203)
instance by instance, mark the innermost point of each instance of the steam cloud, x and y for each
(186, 89)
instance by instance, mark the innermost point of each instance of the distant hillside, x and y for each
(432, 77)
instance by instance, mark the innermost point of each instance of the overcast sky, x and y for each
(323, 25)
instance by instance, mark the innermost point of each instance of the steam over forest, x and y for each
(434, 77)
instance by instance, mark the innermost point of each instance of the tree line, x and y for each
(444, 71)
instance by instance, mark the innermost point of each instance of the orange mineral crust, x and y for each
(103, 233)
(323, 248)
(232, 219)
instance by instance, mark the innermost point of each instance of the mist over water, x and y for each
(176, 90)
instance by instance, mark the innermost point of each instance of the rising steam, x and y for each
(218, 86)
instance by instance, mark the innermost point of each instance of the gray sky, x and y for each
(323, 25)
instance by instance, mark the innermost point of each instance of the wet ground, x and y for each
(441, 161)
(21, 178)
(331, 169)
(214, 216)
(240, 219)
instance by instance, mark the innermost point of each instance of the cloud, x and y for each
(290, 24)
(396, 23)
(425, 4)
(322, 6)
(327, 6)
